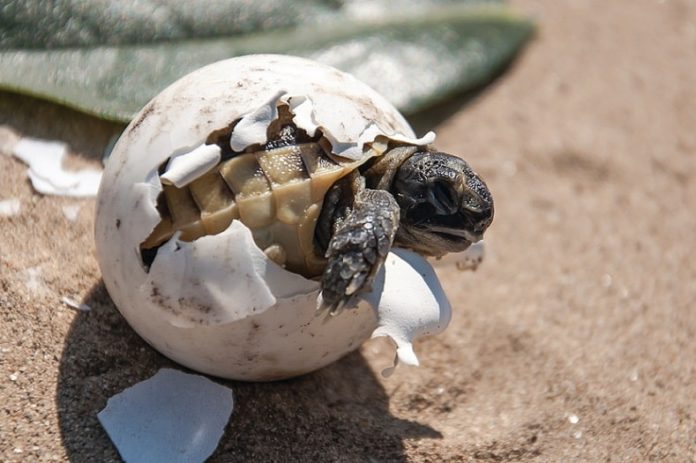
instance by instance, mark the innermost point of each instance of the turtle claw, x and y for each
(336, 308)
(358, 249)
(346, 275)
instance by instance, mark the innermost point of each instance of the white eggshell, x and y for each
(187, 167)
(410, 303)
(217, 304)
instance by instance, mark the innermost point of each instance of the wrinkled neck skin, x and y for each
(380, 173)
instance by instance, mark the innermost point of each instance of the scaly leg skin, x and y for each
(358, 247)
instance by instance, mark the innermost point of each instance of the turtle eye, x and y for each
(443, 197)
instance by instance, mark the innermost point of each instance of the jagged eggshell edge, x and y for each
(269, 330)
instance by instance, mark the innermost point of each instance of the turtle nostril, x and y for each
(483, 224)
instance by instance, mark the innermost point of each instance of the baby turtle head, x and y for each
(445, 206)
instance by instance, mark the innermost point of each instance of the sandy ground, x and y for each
(574, 342)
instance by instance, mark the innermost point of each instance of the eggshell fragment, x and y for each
(46, 172)
(252, 128)
(10, 207)
(471, 258)
(170, 417)
(73, 304)
(217, 304)
(71, 212)
(186, 167)
(410, 303)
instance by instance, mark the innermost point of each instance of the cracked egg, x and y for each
(206, 246)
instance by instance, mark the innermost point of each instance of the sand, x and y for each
(573, 342)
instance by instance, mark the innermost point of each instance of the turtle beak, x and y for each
(468, 235)
(476, 205)
(463, 232)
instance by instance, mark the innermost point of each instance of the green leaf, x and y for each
(415, 58)
(41, 24)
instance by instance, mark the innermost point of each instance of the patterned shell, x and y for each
(277, 193)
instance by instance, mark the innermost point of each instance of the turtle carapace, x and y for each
(321, 215)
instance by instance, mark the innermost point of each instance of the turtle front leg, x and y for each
(360, 243)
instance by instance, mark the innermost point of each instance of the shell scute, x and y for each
(245, 176)
(276, 162)
(277, 193)
(292, 200)
(282, 165)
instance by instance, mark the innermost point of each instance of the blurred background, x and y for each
(575, 338)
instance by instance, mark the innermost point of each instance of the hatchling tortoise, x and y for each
(318, 214)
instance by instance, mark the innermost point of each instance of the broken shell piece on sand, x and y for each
(471, 258)
(46, 172)
(170, 417)
(215, 302)
(10, 207)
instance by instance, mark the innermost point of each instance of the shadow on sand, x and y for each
(340, 413)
